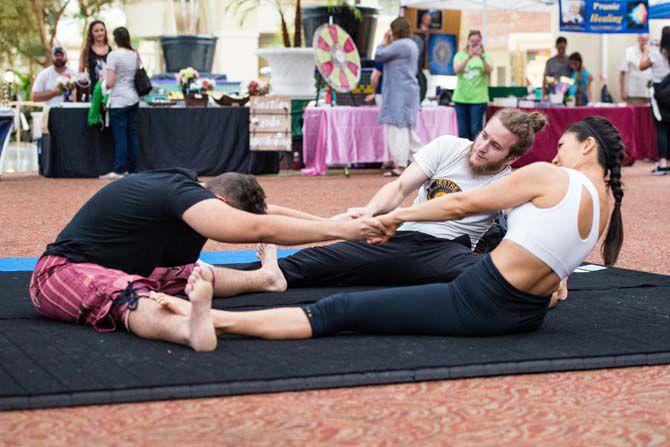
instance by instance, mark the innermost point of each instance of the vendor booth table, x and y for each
(635, 123)
(210, 141)
(345, 135)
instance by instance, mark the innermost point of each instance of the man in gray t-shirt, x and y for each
(556, 66)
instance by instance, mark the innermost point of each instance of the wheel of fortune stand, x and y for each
(337, 58)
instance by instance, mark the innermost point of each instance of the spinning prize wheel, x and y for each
(337, 58)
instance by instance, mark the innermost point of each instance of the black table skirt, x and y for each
(209, 140)
(6, 123)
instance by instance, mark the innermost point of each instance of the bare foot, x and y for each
(561, 294)
(177, 306)
(275, 281)
(200, 290)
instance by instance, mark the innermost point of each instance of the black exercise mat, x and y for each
(50, 364)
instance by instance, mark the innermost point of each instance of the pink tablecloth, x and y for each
(346, 135)
(634, 122)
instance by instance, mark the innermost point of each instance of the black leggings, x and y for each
(479, 302)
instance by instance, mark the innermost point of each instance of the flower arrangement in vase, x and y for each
(65, 84)
(197, 94)
(186, 77)
(258, 88)
(203, 85)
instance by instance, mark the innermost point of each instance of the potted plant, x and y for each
(188, 49)
(194, 88)
(359, 21)
(198, 93)
(292, 67)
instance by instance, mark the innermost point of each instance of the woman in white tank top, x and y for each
(558, 210)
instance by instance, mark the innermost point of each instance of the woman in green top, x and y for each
(471, 96)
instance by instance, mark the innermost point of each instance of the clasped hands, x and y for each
(375, 230)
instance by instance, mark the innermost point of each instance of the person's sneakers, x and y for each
(661, 170)
(111, 176)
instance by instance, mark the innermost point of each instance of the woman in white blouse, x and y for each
(124, 101)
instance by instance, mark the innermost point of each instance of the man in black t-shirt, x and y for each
(143, 234)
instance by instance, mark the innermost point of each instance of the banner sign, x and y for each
(659, 9)
(604, 16)
(270, 123)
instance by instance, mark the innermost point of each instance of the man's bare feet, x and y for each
(173, 304)
(275, 281)
(200, 290)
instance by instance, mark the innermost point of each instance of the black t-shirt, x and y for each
(135, 224)
(95, 64)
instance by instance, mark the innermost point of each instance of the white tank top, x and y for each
(552, 234)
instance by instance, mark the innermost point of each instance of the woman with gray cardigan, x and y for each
(400, 94)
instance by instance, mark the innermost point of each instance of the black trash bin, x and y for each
(183, 51)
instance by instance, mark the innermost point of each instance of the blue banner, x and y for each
(604, 16)
(659, 9)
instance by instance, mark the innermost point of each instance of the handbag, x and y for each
(142, 82)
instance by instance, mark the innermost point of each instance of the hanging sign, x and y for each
(604, 16)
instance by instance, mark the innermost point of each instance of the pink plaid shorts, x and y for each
(90, 294)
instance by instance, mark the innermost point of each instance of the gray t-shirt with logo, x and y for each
(445, 162)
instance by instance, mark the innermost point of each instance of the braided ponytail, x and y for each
(614, 237)
(610, 153)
